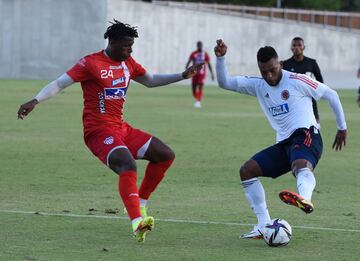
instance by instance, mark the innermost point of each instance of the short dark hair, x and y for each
(297, 38)
(266, 53)
(118, 30)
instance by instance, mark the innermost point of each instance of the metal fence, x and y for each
(339, 20)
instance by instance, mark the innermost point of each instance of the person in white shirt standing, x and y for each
(285, 99)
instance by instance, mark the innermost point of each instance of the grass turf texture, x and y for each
(45, 166)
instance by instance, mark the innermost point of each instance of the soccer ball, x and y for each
(277, 233)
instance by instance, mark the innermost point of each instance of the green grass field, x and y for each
(45, 167)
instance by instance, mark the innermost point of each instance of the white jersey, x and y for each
(288, 105)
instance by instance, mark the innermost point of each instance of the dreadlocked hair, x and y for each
(118, 30)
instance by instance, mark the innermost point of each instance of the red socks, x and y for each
(129, 193)
(198, 94)
(154, 173)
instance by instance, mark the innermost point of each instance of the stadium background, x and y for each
(42, 38)
(57, 202)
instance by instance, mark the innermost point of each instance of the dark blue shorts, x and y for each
(276, 160)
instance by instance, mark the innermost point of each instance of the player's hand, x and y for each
(192, 70)
(220, 48)
(340, 140)
(26, 108)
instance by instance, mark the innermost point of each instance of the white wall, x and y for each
(167, 35)
(39, 39)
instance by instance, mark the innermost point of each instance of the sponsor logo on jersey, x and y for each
(285, 95)
(118, 81)
(117, 67)
(279, 110)
(115, 93)
(101, 102)
(109, 140)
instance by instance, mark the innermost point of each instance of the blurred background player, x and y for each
(285, 99)
(197, 57)
(358, 75)
(105, 78)
(299, 63)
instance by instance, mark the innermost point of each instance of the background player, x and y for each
(197, 57)
(105, 78)
(285, 99)
(299, 63)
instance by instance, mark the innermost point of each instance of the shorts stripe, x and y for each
(308, 139)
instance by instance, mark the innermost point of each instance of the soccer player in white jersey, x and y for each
(285, 99)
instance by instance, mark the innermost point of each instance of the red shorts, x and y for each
(104, 141)
(198, 79)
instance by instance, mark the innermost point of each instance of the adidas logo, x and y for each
(267, 95)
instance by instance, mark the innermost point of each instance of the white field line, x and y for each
(189, 221)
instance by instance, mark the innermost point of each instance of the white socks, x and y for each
(143, 202)
(305, 183)
(255, 194)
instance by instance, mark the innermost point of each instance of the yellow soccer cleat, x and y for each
(142, 227)
(143, 211)
(294, 199)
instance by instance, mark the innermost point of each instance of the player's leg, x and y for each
(195, 90)
(109, 147)
(271, 162)
(144, 146)
(194, 87)
(305, 152)
(122, 162)
(201, 88)
(160, 158)
(199, 95)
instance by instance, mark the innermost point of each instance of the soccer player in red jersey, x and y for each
(198, 57)
(105, 78)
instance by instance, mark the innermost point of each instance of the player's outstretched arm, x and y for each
(48, 91)
(156, 80)
(334, 101)
(223, 78)
(241, 84)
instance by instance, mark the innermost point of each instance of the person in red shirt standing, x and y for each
(198, 57)
(105, 78)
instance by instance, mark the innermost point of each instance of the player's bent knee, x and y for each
(159, 152)
(300, 164)
(249, 170)
(169, 154)
(121, 161)
(245, 173)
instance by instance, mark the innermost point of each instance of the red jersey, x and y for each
(104, 83)
(200, 57)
